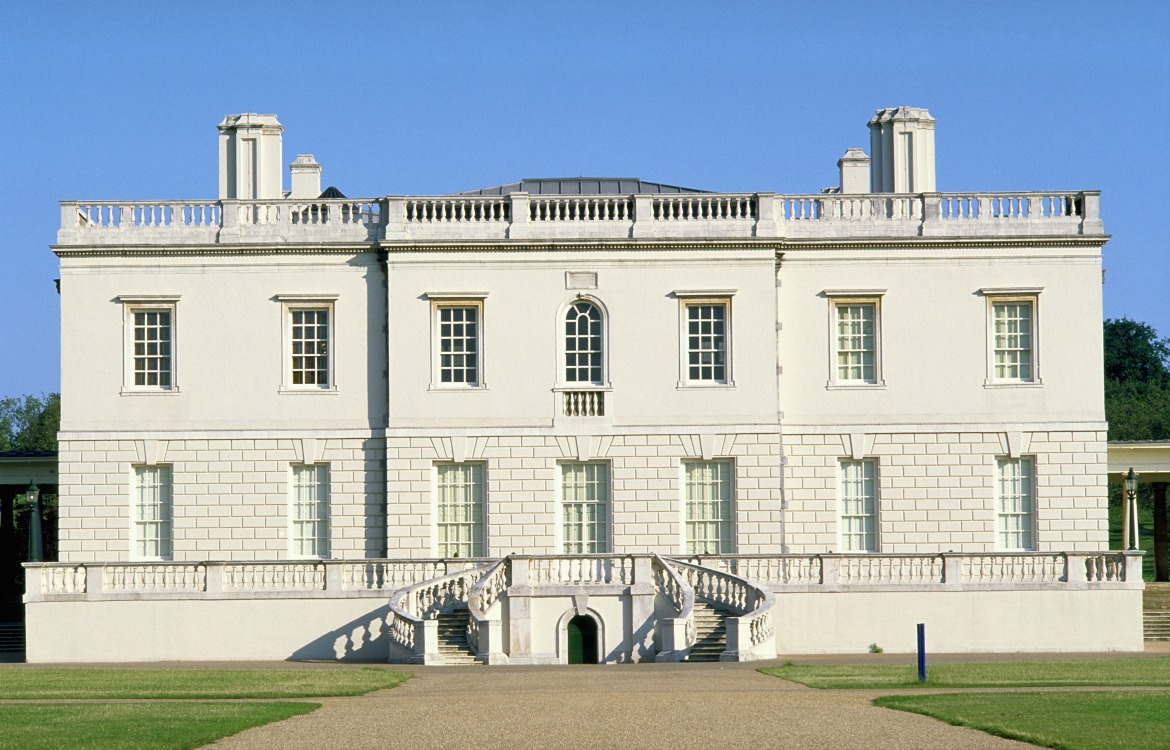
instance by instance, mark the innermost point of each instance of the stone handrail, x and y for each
(413, 606)
(519, 216)
(750, 635)
(577, 570)
(125, 577)
(678, 633)
(388, 575)
(483, 596)
(277, 576)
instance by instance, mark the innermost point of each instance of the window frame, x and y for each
(840, 298)
(695, 298)
(603, 544)
(446, 300)
(1027, 532)
(873, 536)
(563, 382)
(1007, 296)
(148, 303)
(478, 545)
(729, 521)
(165, 540)
(290, 303)
(322, 538)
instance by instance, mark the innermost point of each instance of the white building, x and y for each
(583, 418)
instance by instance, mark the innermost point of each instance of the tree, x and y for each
(1134, 353)
(29, 423)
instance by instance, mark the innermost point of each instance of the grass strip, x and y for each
(53, 683)
(1144, 672)
(1116, 720)
(133, 726)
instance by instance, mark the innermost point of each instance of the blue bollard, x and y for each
(922, 652)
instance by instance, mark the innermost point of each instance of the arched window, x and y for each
(583, 344)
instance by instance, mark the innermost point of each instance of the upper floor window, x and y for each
(584, 348)
(309, 328)
(1013, 355)
(149, 344)
(855, 332)
(457, 340)
(309, 334)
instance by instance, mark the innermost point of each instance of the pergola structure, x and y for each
(1150, 461)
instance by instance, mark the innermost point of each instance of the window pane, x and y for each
(1012, 334)
(708, 507)
(857, 343)
(1015, 492)
(309, 343)
(458, 345)
(152, 512)
(858, 492)
(706, 342)
(583, 344)
(310, 510)
(152, 348)
(460, 510)
(585, 506)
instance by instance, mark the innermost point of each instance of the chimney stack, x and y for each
(306, 177)
(854, 166)
(250, 161)
(901, 140)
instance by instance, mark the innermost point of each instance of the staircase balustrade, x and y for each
(484, 634)
(750, 635)
(678, 633)
(413, 607)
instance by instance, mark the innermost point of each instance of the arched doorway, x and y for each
(582, 640)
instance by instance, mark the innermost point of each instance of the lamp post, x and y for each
(36, 548)
(1129, 513)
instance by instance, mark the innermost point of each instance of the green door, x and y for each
(582, 640)
(575, 654)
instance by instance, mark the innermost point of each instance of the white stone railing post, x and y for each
(518, 229)
(33, 591)
(334, 570)
(1133, 569)
(952, 571)
(642, 606)
(765, 214)
(213, 578)
(394, 218)
(643, 215)
(429, 647)
(229, 221)
(1091, 212)
(520, 612)
(830, 568)
(931, 213)
(1074, 569)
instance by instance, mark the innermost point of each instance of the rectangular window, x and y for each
(152, 512)
(1016, 502)
(309, 339)
(856, 342)
(706, 336)
(458, 345)
(858, 492)
(708, 507)
(585, 507)
(1013, 340)
(152, 348)
(310, 510)
(460, 510)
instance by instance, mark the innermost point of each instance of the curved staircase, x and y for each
(710, 631)
(453, 643)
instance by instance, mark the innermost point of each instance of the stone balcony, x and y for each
(408, 220)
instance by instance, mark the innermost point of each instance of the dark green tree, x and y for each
(29, 423)
(1134, 353)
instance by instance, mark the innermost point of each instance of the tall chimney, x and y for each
(306, 177)
(250, 161)
(901, 140)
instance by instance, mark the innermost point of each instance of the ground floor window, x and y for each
(152, 512)
(310, 510)
(585, 507)
(1016, 502)
(460, 511)
(858, 491)
(708, 507)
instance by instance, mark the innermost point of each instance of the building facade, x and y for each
(659, 422)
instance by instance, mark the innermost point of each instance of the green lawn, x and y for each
(32, 682)
(133, 726)
(1057, 673)
(1071, 720)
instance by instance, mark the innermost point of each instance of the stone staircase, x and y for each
(710, 631)
(453, 638)
(1156, 612)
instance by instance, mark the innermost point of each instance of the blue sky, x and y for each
(120, 101)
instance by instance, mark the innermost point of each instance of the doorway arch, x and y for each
(581, 640)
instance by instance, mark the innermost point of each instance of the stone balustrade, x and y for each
(751, 634)
(485, 633)
(412, 616)
(779, 573)
(677, 633)
(519, 216)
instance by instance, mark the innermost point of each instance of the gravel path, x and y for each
(633, 707)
